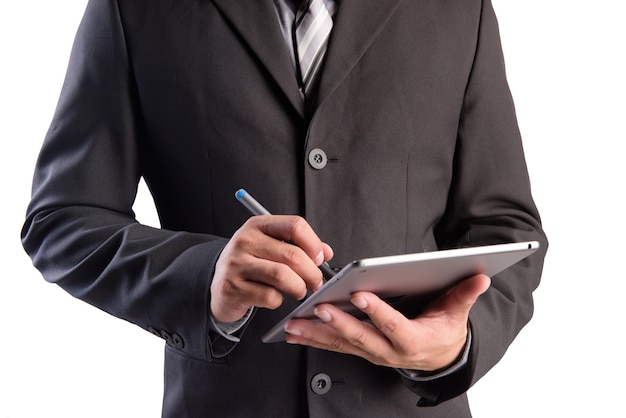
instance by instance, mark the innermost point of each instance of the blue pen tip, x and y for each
(240, 194)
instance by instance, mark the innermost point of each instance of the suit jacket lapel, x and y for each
(357, 24)
(257, 23)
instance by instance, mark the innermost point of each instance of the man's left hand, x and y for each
(432, 341)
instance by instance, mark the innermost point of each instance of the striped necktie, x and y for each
(311, 30)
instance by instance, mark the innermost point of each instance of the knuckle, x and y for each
(230, 288)
(297, 226)
(282, 277)
(388, 327)
(228, 263)
(335, 344)
(240, 241)
(358, 340)
(290, 255)
(293, 255)
(386, 359)
(279, 274)
(270, 299)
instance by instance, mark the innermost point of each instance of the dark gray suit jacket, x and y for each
(199, 97)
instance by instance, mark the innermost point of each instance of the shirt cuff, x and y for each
(424, 376)
(226, 329)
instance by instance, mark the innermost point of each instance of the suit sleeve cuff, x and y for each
(227, 329)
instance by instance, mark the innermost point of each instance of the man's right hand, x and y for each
(268, 256)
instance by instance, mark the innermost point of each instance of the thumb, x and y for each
(465, 294)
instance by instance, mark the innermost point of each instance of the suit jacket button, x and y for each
(317, 159)
(155, 331)
(166, 336)
(321, 383)
(177, 341)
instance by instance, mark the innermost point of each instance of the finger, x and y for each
(353, 331)
(296, 230)
(242, 280)
(464, 295)
(393, 324)
(233, 298)
(245, 265)
(314, 334)
(254, 240)
(277, 275)
(338, 332)
(328, 251)
(295, 245)
(285, 255)
(428, 342)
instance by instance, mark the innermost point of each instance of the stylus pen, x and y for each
(256, 208)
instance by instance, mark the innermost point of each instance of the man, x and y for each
(405, 141)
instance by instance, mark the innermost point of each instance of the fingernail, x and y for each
(293, 331)
(323, 315)
(359, 302)
(319, 259)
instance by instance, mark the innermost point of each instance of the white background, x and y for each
(566, 67)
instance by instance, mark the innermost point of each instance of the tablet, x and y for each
(394, 277)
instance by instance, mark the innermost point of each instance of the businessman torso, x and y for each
(387, 160)
(217, 90)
